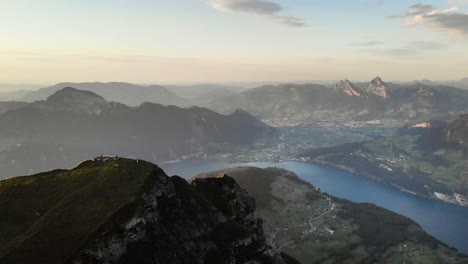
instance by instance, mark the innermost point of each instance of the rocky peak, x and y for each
(233, 201)
(348, 88)
(378, 87)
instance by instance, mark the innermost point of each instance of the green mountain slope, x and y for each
(318, 228)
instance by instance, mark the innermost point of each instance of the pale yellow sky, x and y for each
(177, 41)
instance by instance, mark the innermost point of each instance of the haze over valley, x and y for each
(233, 132)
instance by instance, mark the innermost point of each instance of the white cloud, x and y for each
(263, 8)
(450, 19)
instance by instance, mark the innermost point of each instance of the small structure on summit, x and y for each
(106, 158)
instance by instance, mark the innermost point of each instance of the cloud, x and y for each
(248, 6)
(368, 43)
(415, 48)
(263, 8)
(450, 20)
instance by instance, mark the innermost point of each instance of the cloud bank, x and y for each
(263, 8)
(450, 20)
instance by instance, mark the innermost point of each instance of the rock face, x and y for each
(151, 218)
(378, 87)
(348, 88)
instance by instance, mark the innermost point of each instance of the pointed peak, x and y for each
(378, 87)
(343, 82)
(377, 80)
(348, 88)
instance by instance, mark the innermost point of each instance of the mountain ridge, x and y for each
(386, 104)
(125, 93)
(47, 134)
(129, 211)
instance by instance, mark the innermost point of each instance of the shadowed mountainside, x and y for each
(74, 124)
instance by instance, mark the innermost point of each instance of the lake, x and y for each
(446, 222)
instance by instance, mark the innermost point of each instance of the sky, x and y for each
(195, 41)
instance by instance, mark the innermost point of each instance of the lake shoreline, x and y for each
(364, 174)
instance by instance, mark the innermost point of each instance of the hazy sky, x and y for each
(161, 41)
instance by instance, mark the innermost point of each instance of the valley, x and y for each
(233, 132)
(420, 159)
(423, 161)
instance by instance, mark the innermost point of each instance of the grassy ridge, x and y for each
(49, 215)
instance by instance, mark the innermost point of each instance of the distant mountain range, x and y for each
(373, 103)
(315, 227)
(462, 84)
(73, 124)
(125, 93)
(376, 102)
(134, 95)
(428, 159)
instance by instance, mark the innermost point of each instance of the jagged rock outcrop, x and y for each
(378, 87)
(111, 210)
(345, 86)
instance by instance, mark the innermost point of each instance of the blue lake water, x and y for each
(446, 222)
